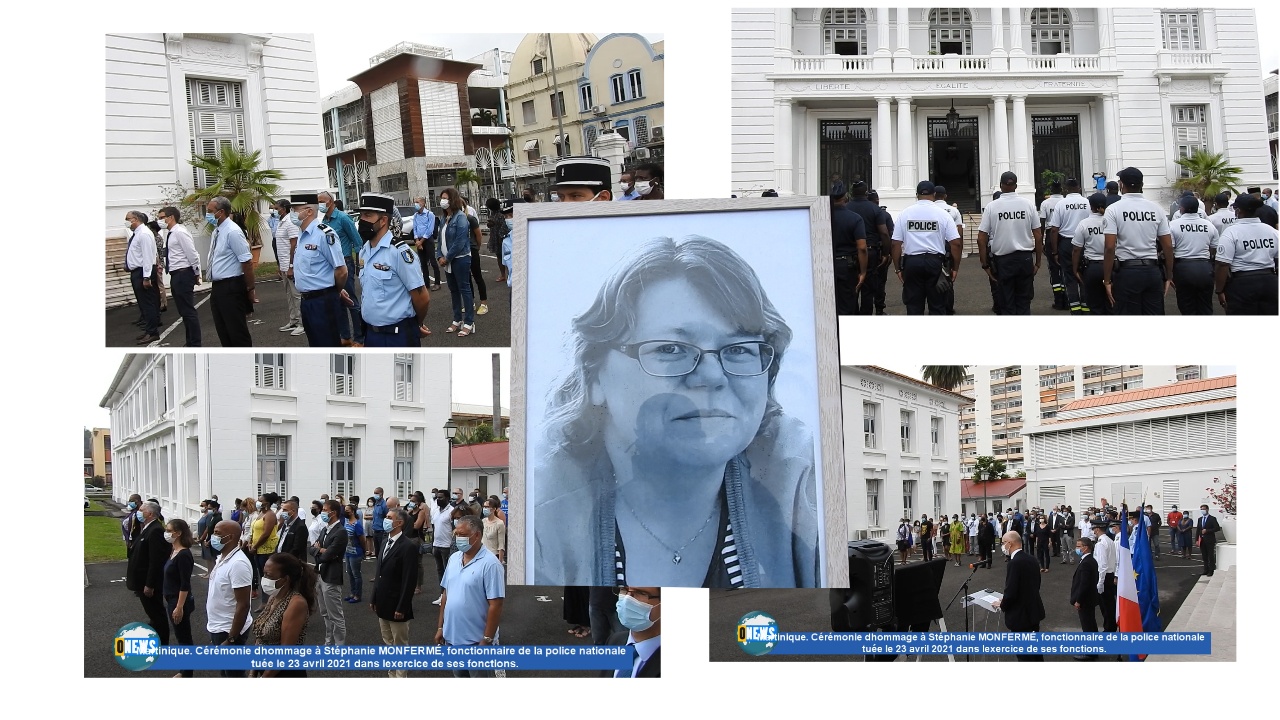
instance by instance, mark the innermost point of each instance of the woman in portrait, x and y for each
(665, 445)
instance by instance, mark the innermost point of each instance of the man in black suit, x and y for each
(1055, 532)
(145, 574)
(328, 552)
(1023, 610)
(293, 531)
(1207, 528)
(393, 588)
(640, 611)
(1084, 589)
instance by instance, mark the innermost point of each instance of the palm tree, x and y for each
(468, 178)
(236, 175)
(947, 377)
(1208, 174)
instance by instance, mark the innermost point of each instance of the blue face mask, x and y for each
(133, 505)
(138, 515)
(210, 219)
(216, 542)
(322, 208)
(324, 518)
(293, 218)
(462, 543)
(487, 512)
(633, 614)
(386, 525)
(417, 206)
(1079, 552)
(377, 496)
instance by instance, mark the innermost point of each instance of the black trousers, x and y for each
(427, 256)
(231, 309)
(183, 629)
(871, 296)
(1252, 293)
(881, 273)
(846, 272)
(997, 297)
(1193, 284)
(1070, 285)
(920, 275)
(1015, 275)
(154, 608)
(218, 638)
(927, 548)
(183, 284)
(477, 281)
(1088, 618)
(1056, 271)
(148, 301)
(320, 316)
(1030, 658)
(1107, 602)
(1209, 556)
(1138, 290)
(1095, 293)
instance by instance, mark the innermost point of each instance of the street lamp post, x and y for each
(450, 432)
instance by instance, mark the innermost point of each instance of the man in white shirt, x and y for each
(315, 525)
(1055, 268)
(183, 265)
(442, 537)
(1010, 246)
(140, 261)
(230, 583)
(922, 237)
(1104, 551)
(286, 239)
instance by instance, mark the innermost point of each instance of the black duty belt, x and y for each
(1015, 253)
(937, 255)
(309, 294)
(1241, 273)
(1182, 260)
(1138, 263)
(230, 279)
(388, 329)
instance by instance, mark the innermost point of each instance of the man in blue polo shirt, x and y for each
(231, 270)
(379, 512)
(350, 326)
(472, 593)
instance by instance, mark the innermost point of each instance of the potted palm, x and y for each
(237, 175)
(1207, 174)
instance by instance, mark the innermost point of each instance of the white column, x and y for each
(904, 33)
(1021, 156)
(882, 31)
(1017, 57)
(782, 39)
(999, 136)
(1110, 143)
(997, 31)
(906, 153)
(784, 147)
(884, 143)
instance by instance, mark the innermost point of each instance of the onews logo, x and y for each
(757, 633)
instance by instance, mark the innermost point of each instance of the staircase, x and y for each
(119, 289)
(971, 220)
(1211, 607)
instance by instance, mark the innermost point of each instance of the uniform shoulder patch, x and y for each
(323, 226)
(407, 254)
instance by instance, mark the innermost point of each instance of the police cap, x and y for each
(859, 187)
(589, 172)
(924, 188)
(1008, 178)
(1130, 176)
(939, 191)
(1189, 204)
(304, 199)
(376, 202)
(1248, 203)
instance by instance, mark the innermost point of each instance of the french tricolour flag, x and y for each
(1137, 599)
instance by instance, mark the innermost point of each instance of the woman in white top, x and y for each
(495, 531)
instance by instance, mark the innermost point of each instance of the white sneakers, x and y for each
(298, 331)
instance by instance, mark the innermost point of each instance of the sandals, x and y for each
(454, 327)
(466, 330)
(579, 631)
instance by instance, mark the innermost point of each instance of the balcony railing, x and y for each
(940, 64)
(1064, 62)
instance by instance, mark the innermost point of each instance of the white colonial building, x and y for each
(959, 96)
(186, 427)
(902, 456)
(172, 95)
(1164, 444)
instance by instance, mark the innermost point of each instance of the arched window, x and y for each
(950, 31)
(1050, 31)
(844, 31)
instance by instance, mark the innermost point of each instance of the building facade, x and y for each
(172, 95)
(545, 117)
(901, 454)
(959, 96)
(1009, 399)
(187, 427)
(484, 467)
(622, 84)
(1164, 445)
(100, 455)
(1272, 100)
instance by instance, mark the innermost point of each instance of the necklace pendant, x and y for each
(675, 559)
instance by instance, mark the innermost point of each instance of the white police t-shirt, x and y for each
(1068, 213)
(1248, 244)
(1090, 236)
(1009, 222)
(1222, 219)
(1137, 223)
(1193, 236)
(924, 228)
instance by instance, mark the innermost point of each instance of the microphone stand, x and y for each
(964, 589)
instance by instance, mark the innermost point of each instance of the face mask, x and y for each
(275, 214)
(444, 203)
(410, 506)
(208, 217)
(633, 614)
(209, 511)
(366, 230)
(217, 543)
(487, 512)
(139, 516)
(555, 197)
(1204, 513)
(322, 208)
(284, 516)
(644, 187)
(168, 537)
(324, 517)
(1004, 550)
(463, 544)
(258, 504)
(1079, 552)
(504, 496)
(314, 512)
(455, 523)
(386, 525)
(268, 586)
(133, 505)
(377, 496)
(293, 218)
(417, 206)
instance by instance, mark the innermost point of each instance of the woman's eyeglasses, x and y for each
(672, 358)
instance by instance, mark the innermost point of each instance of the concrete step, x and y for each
(1209, 607)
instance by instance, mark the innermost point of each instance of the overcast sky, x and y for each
(340, 54)
(914, 370)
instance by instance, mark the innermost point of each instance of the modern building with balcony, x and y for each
(1272, 102)
(901, 456)
(187, 427)
(959, 96)
(1011, 399)
(409, 123)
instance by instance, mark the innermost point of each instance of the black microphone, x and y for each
(975, 566)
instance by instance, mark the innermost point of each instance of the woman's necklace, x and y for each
(675, 554)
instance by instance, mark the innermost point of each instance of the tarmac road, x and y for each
(809, 610)
(272, 312)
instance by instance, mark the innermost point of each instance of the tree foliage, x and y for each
(947, 377)
(987, 468)
(239, 177)
(1208, 174)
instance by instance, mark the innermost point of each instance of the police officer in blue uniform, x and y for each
(395, 298)
(319, 272)
(878, 248)
(879, 275)
(1245, 276)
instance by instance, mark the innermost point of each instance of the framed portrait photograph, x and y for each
(675, 395)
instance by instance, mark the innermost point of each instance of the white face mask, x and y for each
(169, 537)
(644, 187)
(555, 197)
(444, 203)
(269, 586)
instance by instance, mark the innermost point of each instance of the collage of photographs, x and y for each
(561, 358)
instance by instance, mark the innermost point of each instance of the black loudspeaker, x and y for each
(867, 603)
(916, 588)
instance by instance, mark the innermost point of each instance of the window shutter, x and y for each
(642, 130)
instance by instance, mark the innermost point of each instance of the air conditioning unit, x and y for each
(641, 154)
(598, 110)
(656, 133)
